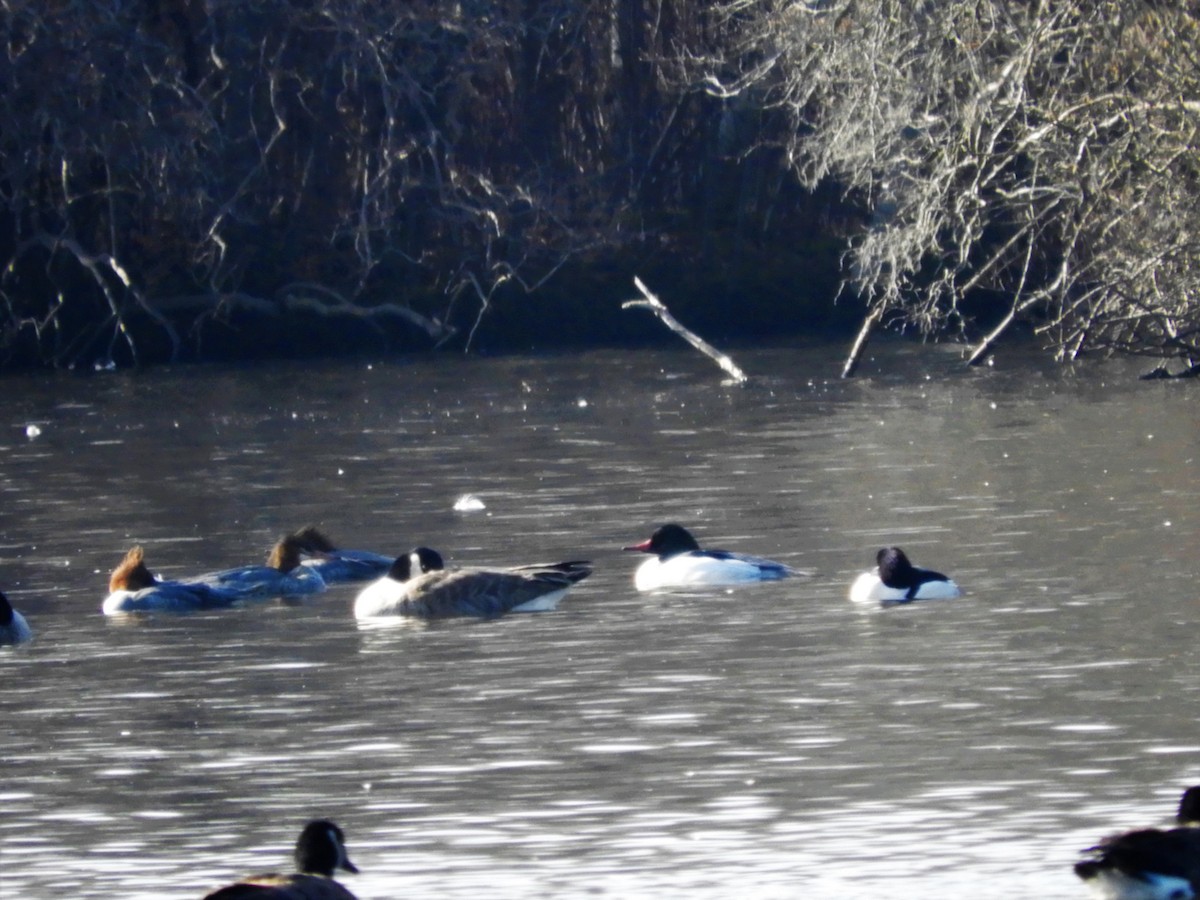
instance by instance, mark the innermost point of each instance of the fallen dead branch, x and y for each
(860, 342)
(657, 307)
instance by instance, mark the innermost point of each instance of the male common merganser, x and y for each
(320, 850)
(896, 580)
(282, 576)
(13, 627)
(418, 586)
(133, 588)
(335, 564)
(678, 561)
(1150, 863)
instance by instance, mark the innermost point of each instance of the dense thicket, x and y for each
(180, 175)
(1039, 157)
(183, 175)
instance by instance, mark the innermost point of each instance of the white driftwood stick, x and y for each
(860, 342)
(656, 306)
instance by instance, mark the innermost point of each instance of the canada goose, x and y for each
(432, 592)
(320, 850)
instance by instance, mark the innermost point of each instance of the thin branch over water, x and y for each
(657, 307)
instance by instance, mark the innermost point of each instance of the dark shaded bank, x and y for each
(763, 291)
(189, 180)
(217, 181)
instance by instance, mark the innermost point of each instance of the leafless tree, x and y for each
(172, 169)
(167, 167)
(1033, 161)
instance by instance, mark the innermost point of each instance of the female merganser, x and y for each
(282, 576)
(896, 580)
(1150, 863)
(418, 586)
(133, 588)
(320, 850)
(334, 564)
(678, 561)
(13, 627)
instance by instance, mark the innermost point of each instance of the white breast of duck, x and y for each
(679, 561)
(705, 568)
(896, 580)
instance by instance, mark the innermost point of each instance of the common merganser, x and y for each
(1150, 863)
(417, 585)
(282, 576)
(133, 588)
(896, 580)
(320, 851)
(335, 564)
(678, 561)
(13, 627)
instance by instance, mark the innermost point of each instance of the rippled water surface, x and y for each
(772, 741)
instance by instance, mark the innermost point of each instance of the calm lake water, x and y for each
(772, 741)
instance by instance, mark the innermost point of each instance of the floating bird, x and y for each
(133, 588)
(1150, 863)
(896, 580)
(320, 850)
(678, 561)
(282, 576)
(417, 585)
(335, 564)
(13, 627)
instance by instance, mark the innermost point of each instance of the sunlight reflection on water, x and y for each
(772, 741)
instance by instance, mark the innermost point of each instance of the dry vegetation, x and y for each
(176, 168)
(1037, 160)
